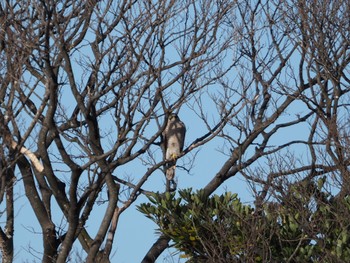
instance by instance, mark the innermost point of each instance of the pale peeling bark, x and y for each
(31, 156)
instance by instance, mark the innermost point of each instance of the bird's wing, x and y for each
(165, 138)
(182, 133)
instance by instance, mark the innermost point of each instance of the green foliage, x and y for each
(192, 220)
(306, 226)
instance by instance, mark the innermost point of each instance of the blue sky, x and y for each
(135, 233)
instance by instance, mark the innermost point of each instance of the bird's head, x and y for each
(173, 116)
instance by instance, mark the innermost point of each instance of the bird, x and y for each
(174, 138)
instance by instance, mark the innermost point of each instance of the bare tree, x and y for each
(290, 93)
(87, 87)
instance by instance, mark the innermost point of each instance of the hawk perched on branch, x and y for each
(174, 137)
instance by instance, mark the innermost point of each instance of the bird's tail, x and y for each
(170, 171)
